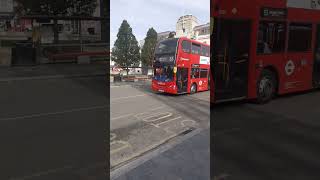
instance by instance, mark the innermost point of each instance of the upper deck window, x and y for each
(205, 51)
(196, 48)
(186, 46)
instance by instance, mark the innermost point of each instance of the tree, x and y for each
(147, 52)
(125, 52)
(56, 8)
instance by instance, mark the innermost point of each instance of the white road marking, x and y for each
(124, 144)
(165, 115)
(184, 121)
(135, 115)
(112, 136)
(149, 115)
(128, 97)
(120, 86)
(54, 113)
(149, 111)
(168, 121)
(123, 116)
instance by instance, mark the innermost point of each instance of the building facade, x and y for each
(163, 35)
(202, 33)
(185, 26)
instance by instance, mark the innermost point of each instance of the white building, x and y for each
(185, 26)
(163, 35)
(202, 33)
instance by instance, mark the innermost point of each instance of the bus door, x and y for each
(316, 64)
(182, 80)
(230, 58)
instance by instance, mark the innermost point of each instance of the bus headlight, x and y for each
(172, 87)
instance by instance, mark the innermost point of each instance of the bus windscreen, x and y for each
(167, 47)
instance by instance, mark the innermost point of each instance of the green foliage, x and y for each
(125, 52)
(147, 52)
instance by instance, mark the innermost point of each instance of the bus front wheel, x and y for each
(193, 88)
(266, 87)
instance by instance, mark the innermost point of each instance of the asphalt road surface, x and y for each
(53, 129)
(143, 122)
(279, 140)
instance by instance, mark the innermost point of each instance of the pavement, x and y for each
(187, 160)
(53, 128)
(278, 140)
(144, 122)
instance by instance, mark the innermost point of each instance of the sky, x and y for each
(162, 15)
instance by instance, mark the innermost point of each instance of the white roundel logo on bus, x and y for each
(289, 68)
(200, 83)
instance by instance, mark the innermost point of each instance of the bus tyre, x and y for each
(266, 87)
(193, 88)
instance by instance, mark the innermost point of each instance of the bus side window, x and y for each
(196, 48)
(195, 73)
(300, 37)
(271, 37)
(186, 46)
(203, 73)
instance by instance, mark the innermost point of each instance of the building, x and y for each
(163, 35)
(202, 33)
(14, 28)
(185, 26)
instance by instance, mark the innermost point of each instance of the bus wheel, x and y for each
(266, 87)
(193, 88)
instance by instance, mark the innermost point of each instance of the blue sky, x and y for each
(162, 15)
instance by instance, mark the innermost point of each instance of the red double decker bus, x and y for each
(263, 48)
(181, 66)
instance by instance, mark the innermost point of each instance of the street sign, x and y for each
(273, 13)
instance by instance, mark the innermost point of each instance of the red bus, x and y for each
(264, 48)
(181, 66)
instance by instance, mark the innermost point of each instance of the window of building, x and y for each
(75, 26)
(300, 36)
(186, 46)
(271, 37)
(203, 73)
(195, 73)
(196, 48)
(91, 31)
(205, 51)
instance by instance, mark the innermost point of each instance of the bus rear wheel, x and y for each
(266, 87)
(193, 88)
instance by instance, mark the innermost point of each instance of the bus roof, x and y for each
(194, 41)
(185, 38)
(298, 10)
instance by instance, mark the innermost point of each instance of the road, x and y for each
(279, 140)
(53, 129)
(142, 122)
